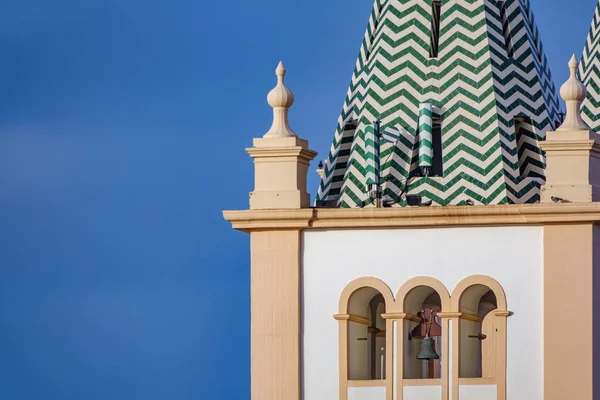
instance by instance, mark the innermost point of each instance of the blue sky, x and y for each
(122, 133)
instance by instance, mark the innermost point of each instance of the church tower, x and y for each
(444, 258)
(477, 70)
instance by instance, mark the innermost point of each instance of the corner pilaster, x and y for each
(281, 161)
(275, 307)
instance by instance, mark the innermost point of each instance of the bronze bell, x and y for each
(427, 328)
(428, 350)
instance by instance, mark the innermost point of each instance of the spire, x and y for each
(281, 99)
(492, 100)
(573, 93)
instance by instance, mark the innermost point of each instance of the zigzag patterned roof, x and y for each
(486, 93)
(589, 74)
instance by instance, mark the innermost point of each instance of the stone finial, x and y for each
(321, 170)
(573, 92)
(281, 99)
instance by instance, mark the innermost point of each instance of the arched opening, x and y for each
(366, 335)
(422, 305)
(478, 333)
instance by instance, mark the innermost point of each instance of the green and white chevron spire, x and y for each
(490, 89)
(392, 134)
(425, 138)
(589, 74)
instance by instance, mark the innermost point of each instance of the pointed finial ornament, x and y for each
(281, 99)
(573, 92)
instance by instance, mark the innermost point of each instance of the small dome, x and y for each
(281, 99)
(280, 96)
(573, 89)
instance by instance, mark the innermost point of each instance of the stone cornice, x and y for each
(406, 217)
(296, 152)
(572, 147)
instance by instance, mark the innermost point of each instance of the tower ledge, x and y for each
(438, 217)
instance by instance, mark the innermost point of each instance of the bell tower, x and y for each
(444, 258)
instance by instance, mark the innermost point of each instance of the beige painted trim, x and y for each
(476, 381)
(360, 320)
(500, 314)
(281, 154)
(455, 356)
(478, 280)
(501, 319)
(569, 274)
(416, 282)
(275, 342)
(352, 318)
(371, 383)
(448, 303)
(449, 314)
(401, 295)
(250, 220)
(445, 359)
(422, 382)
(389, 360)
(393, 315)
(400, 358)
(344, 318)
(409, 317)
(568, 147)
(470, 317)
(343, 359)
(360, 283)
(411, 217)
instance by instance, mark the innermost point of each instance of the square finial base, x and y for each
(281, 168)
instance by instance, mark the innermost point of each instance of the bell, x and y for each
(428, 350)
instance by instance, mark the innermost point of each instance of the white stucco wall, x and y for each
(511, 255)
(365, 393)
(422, 393)
(478, 392)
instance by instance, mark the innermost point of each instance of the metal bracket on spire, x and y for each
(425, 139)
(373, 136)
